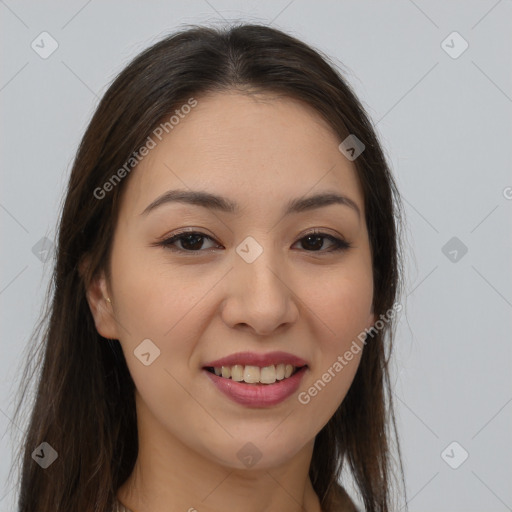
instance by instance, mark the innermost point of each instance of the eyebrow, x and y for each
(223, 204)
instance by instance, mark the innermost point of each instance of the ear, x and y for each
(102, 310)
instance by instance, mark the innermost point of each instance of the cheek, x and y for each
(167, 304)
(152, 296)
(341, 304)
(341, 307)
(158, 303)
(332, 374)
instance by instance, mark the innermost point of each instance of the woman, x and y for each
(228, 268)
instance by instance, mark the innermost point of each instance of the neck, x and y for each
(168, 476)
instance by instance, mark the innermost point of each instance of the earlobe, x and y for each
(101, 309)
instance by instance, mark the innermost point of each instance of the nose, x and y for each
(259, 297)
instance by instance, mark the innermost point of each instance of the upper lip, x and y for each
(255, 359)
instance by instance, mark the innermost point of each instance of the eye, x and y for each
(192, 242)
(316, 239)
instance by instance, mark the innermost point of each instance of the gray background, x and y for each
(445, 124)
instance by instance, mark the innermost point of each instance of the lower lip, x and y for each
(258, 395)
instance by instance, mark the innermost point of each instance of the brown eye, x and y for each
(313, 242)
(190, 241)
(193, 242)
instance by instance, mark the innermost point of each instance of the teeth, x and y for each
(251, 374)
(237, 372)
(268, 375)
(254, 374)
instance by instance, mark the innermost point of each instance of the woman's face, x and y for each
(253, 282)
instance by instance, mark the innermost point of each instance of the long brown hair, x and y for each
(84, 404)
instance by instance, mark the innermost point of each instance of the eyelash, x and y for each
(339, 244)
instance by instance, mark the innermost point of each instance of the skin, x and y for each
(259, 151)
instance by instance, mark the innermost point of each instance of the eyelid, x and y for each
(339, 242)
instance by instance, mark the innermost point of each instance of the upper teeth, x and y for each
(254, 374)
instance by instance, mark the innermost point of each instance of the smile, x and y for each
(251, 374)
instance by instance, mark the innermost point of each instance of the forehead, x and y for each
(247, 147)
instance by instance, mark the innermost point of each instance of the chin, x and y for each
(256, 452)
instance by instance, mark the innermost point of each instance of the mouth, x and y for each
(256, 375)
